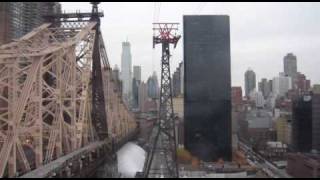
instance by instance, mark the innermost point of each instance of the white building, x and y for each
(271, 101)
(126, 74)
(281, 85)
(258, 98)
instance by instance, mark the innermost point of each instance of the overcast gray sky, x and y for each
(261, 34)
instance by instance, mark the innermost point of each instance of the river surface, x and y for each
(130, 159)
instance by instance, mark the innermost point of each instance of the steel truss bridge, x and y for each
(61, 110)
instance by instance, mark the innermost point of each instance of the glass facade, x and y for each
(207, 87)
(302, 124)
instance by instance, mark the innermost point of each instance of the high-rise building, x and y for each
(153, 86)
(290, 65)
(265, 88)
(116, 77)
(176, 83)
(236, 95)
(302, 84)
(19, 18)
(135, 93)
(281, 85)
(181, 66)
(316, 120)
(137, 73)
(260, 129)
(143, 96)
(207, 92)
(270, 82)
(259, 99)
(126, 74)
(116, 73)
(302, 124)
(250, 81)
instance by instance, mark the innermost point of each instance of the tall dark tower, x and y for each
(162, 158)
(207, 87)
(302, 124)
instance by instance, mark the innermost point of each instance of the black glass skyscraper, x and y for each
(302, 124)
(207, 84)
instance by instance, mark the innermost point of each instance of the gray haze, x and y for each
(261, 34)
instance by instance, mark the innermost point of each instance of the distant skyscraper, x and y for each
(302, 84)
(302, 124)
(259, 99)
(265, 88)
(116, 77)
(126, 74)
(260, 86)
(135, 93)
(137, 73)
(290, 65)
(176, 83)
(19, 18)
(116, 73)
(207, 92)
(290, 68)
(153, 86)
(281, 85)
(250, 81)
(316, 120)
(181, 66)
(270, 82)
(143, 96)
(135, 86)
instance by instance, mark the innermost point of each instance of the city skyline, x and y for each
(260, 42)
(225, 93)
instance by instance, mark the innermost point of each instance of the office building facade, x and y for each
(302, 124)
(249, 81)
(265, 88)
(20, 18)
(176, 81)
(316, 121)
(290, 65)
(281, 85)
(126, 73)
(207, 100)
(137, 73)
(153, 86)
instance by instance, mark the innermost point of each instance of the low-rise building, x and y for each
(275, 150)
(303, 165)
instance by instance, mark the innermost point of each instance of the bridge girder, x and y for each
(46, 100)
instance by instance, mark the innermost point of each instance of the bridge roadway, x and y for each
(82, 162)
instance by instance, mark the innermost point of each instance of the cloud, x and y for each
(261, 34)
